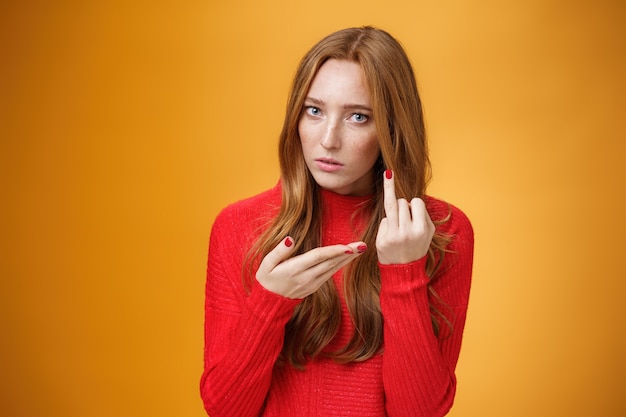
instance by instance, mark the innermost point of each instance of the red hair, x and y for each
(399, 121)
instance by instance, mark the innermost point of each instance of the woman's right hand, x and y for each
(302, 275)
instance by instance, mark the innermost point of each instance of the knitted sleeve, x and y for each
(418, 367)
(243, 333)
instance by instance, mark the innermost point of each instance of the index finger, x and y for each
(321, 254)
(389, 197)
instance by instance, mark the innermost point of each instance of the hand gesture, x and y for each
(404, 235)
(302, 275)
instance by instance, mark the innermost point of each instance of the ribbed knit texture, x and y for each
(414, 376)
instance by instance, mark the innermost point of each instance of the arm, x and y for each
(243, 334)
(418, 367)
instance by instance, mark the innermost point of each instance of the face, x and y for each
(338, 131)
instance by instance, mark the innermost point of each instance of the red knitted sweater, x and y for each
(244, 332)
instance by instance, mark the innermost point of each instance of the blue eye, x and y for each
(312, 110)
(360, 118)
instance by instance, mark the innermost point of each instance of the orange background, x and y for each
(126, 126)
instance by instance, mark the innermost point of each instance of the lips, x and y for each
(330, 161)
(328, 164)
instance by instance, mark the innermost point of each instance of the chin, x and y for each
(338, 188)
(333, 186)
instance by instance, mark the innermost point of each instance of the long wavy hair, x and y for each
(399, 122)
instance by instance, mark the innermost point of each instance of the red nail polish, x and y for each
(361, 248)
(349, 252)
(288, 242)
(388, 174)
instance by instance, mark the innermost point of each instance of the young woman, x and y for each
(343, 290)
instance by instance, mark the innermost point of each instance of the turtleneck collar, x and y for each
(343, 201)
(342, 221)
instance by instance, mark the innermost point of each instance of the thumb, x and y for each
(278, 254)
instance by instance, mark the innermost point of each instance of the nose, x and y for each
(331, 138)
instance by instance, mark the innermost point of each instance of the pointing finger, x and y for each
(332, 264)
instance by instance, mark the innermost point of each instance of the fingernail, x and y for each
(362, 248)
(288, 242)
(349, 252)
(388, 174)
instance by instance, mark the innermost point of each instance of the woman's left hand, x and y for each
(404, 235)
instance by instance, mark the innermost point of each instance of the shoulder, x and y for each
(249, 213)
(267, 200)
(450, 219)
(455, 273)
(239, 224)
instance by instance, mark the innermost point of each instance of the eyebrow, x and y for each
(347, 106)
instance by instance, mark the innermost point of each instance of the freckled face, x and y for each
(337, 129)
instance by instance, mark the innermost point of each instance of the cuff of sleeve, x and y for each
(270, 306)
(403, 277)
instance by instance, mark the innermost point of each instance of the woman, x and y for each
(343, 290)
